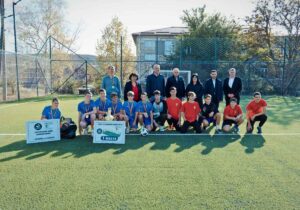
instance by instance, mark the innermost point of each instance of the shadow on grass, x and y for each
(252, 142)
(83, 146)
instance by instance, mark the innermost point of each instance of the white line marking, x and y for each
(186, 134)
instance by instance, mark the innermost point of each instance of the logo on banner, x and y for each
(38, 126)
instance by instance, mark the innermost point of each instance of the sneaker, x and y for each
(85, 131)
(259, 131)
(236, 129)
(161, 128)
(218, 131)
(127, 130)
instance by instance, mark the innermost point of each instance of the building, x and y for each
(154, 46)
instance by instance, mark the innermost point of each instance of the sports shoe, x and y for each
(161, 128)
(259, 131)
(85, 131)
(236, 129)
(127, 130)
(219, 131)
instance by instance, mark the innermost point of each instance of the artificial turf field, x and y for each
(153, 172)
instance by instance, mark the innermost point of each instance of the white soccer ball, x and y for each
(144, 132)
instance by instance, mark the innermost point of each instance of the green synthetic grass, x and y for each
(155, 172)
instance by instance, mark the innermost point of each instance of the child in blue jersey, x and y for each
(52, 111)
(130, 108)
(86, 113)
(102, 105)
(145, 113)
(116, 107)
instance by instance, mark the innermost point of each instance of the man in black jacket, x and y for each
(213, 87)
(155, 82)
(232, 86)
(176, 81)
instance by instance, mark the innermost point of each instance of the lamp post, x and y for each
(16, 49)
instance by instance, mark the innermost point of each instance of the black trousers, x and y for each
(160, 121)
(195, 125)
(174, 122)
(261, 119)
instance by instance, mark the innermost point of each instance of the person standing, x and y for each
(134, 86)
(111, 82)
(155, 81)
(176, 81)
(213, 87)
(232, 86)
(196, 86)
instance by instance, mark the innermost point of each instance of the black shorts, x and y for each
(228, 122)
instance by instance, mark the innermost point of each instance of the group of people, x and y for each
(195, 105)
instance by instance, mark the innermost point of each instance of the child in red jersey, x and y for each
(233, 114)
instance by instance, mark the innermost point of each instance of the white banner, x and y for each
(42, 131)
(109, 132)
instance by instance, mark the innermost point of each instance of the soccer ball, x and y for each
(144, 132)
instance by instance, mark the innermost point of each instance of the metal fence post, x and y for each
(16, 51)
(283, 67)
(121, 69)
(86, 76)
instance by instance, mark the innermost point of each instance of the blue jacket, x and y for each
(111, 85)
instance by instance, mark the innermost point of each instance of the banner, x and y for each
(42, 131)
(109, 132)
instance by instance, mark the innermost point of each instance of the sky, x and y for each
(137, 15)
(140, 15)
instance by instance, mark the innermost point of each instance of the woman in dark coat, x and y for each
(134, 86)
(197, 87)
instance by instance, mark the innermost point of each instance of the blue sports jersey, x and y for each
(116, 108)
(50, 113)
(147, 107)
(84, 108)
(103, 105)
(130, 108)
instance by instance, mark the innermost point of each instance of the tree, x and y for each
(109, 48)
(43, 18)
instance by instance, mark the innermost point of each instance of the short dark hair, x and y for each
(173, 88)
(133, 75)
(207, 96)
(213, 71)
(113, 94)
(156, 92)
(233, 100)
(256, 94)
(102, 90)
(55, 99)
(87, 92)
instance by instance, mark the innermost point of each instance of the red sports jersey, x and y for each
(228, 111)
(254, 108)
(191, 110)
(174, 107)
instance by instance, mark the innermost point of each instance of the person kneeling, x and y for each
(191, 113)
(210, 114)
(256, 111)
(145, 115)
(159, 112)
(102, 105)
(86, 113)
(116, 108)
(174, 105)
(233, 114)
(130, 108)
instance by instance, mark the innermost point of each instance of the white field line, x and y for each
(186, 134)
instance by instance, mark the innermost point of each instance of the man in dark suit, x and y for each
(232, 86)
(155, 81)
(176, 81)
(213, 86)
